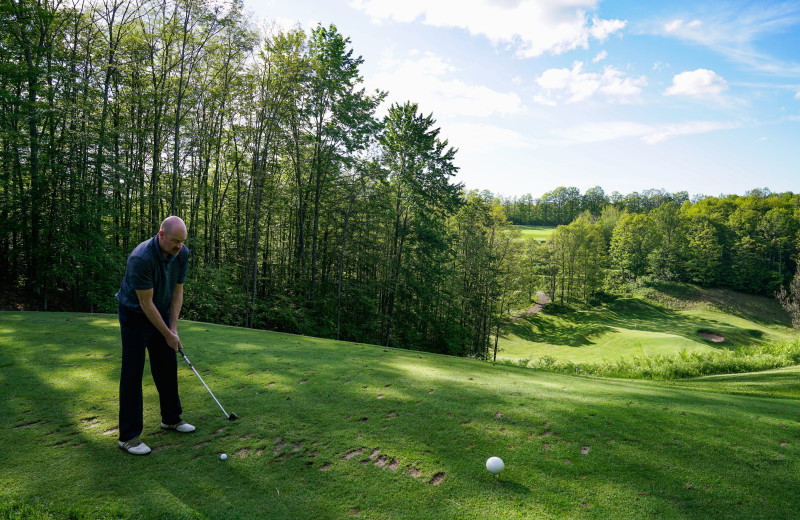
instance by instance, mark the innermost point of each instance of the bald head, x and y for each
(173, 224)
(171, 236)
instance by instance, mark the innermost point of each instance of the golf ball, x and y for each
(223, 457)
(495, 465)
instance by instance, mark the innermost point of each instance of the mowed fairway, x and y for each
(540, 233)
(630, 327)
(337, 430)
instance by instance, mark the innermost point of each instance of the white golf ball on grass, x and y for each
(223, 457)
(495, 465)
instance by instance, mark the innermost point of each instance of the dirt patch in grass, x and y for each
(542, 301)
(437, 479)
(351, 454)
(711, 336)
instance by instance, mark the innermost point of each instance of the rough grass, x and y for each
(337, 430)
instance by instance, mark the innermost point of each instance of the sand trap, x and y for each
(710, 336)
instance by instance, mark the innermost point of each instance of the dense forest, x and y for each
(307, 211)
(749, 243)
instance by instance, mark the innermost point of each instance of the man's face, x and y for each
(171, 242)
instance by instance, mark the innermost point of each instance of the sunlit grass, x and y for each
(628, 327)
(340, 430)
(540, 233)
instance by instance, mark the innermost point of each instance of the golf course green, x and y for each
(341, 430)
(696, 320)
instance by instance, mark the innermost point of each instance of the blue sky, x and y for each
(627, 95)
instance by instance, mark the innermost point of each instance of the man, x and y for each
(150, 300)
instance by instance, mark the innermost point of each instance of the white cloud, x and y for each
(426, 79)
(733, 29)
(574, 85)
(650, 134)
(531, 27)
(600, 56)
(664, 132)
(797, 95)
(697, 83)
(678, 25)
(475, 138)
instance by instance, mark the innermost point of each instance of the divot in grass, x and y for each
(437, 479)
(349, 455)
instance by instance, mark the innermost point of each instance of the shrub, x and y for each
(684, 364)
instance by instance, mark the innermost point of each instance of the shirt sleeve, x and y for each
(141, 273)
(184, 265)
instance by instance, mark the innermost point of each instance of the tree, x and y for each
(790, 300)
(705, 252)
(631, 244)
(419, 165)
(669, 250)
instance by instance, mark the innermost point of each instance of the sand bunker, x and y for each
(710, 336)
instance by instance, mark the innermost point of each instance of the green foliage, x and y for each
(211, 295)
(790, 300)
(306, 212)
(684, 364)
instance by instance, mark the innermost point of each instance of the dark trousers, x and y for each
(139, 334)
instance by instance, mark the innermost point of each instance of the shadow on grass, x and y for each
(763, 310)
(436, 413)
(566, 326)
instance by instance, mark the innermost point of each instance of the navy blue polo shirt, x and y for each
(148, 269)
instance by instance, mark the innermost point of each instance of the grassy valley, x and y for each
(658, 319)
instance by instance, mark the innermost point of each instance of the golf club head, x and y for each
(232, 417)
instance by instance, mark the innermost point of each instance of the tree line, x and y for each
(307, 212)
(748, 243)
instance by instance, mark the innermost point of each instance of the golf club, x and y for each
(232, 416)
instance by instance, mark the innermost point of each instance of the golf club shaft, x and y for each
(204, 383)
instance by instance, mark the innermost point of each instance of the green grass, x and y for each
(657, 321)
(540, 233)
(574, 447)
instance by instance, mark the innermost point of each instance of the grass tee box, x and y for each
(333, 430)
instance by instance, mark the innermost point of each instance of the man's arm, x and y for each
(149, 308)
(175, 307)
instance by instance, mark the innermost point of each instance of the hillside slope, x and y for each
(337, 430)
(659, 319)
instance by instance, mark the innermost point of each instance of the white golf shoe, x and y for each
(182, 427)
(134, 447)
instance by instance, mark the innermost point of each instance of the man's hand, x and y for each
(149, 308)
(173, 341)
